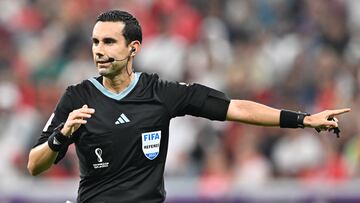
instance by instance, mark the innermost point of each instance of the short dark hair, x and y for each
(132, 29)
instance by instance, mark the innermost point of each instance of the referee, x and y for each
(119, 121)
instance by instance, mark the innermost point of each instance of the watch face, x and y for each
(300, 119)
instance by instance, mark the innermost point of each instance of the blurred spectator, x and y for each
(215, 177)
(163, 46)
(296, 153)
(251, 168)
(331, 169)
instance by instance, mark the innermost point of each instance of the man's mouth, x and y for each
(103, 61)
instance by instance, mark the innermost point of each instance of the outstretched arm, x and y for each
(258, 114)
(252, 113)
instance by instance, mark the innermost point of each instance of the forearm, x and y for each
(253, 113)
(40, 159)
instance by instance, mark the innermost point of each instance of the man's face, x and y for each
(109, 42)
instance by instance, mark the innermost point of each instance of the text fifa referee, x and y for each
(119, 121)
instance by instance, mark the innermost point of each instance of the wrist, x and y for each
(57, 139)
(292, 119)
(307, 121)
(301, 119)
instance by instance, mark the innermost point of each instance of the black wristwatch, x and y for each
(300, 119)
(57, 140)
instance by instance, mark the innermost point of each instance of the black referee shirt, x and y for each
(122, 148)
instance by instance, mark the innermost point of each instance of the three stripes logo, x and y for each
(122, 119)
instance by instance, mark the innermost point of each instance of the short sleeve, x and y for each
(183, 99)
(62, 110)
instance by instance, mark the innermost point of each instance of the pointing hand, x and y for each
(325, 120)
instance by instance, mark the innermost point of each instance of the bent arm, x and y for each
(252, 113)
(43, 156)
(40, 159)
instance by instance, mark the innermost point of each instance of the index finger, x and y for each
(338, 111)
(87, 110)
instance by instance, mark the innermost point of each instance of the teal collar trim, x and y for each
(120, 95)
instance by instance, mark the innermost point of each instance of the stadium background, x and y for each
(295, 54)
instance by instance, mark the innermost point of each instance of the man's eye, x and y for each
(108, 42)
(95, 42)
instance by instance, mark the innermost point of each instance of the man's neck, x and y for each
(118, 83)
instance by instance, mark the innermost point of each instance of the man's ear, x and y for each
(135, 47)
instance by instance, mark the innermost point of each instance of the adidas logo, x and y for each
(122, 119)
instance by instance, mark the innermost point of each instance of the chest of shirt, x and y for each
(129, 131)
(121, 121)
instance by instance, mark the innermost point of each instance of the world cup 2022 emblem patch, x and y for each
(151, 144)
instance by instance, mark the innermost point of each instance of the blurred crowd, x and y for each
(294, 54)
